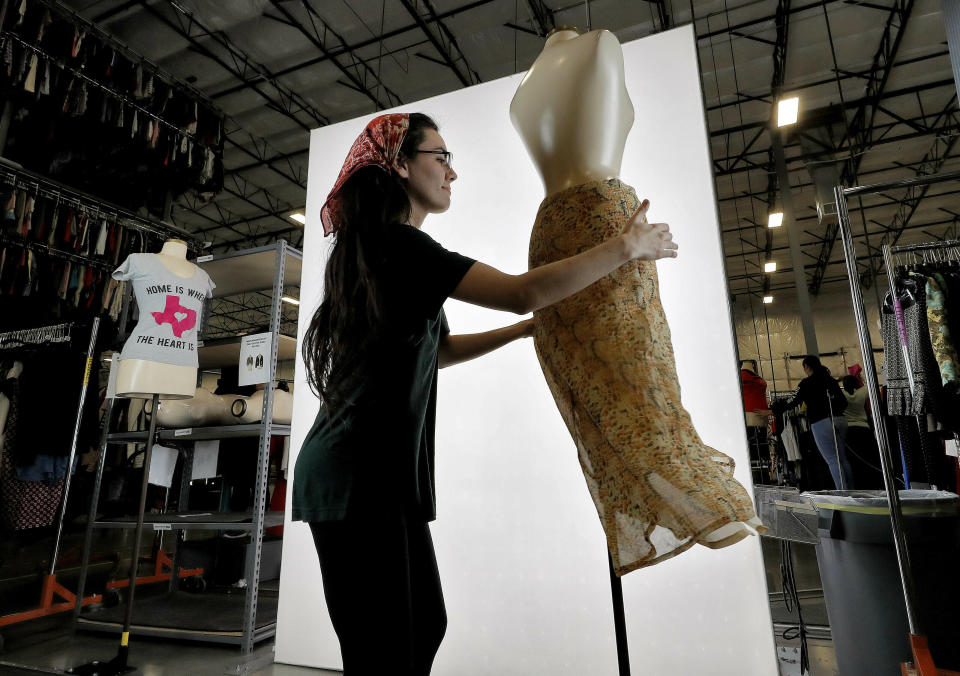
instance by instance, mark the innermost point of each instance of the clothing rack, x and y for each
(54, 333)
(45, 335)
(120, 46)
(48, 250)
(922, 657)
(23, 179)
(122, 98)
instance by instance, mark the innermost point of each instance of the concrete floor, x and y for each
(51, 646)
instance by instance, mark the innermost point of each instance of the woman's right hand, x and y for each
(648, 241)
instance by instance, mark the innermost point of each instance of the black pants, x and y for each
(382, 587)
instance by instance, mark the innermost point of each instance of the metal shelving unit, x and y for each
(263, 269)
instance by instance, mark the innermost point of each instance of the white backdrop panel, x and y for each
(521, 552)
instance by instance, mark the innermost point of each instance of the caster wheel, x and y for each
(112, 598)
(194, 584)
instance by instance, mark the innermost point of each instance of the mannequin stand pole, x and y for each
(118, 665)
(619, 623)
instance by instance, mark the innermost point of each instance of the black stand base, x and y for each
(118, 665)
(619, 623)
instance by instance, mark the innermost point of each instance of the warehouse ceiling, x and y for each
(877, 102)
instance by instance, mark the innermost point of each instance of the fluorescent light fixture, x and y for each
(787, 111)
(288, 299)
(299, 217)
(775, 219)
(770, 267)
(768, 299)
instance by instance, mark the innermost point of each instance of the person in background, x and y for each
(861, 445)
(825, 406)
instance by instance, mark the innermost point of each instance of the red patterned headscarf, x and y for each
(377, 146)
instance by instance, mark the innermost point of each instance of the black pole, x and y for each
(124, 650)
(118, 665)
(619, 623)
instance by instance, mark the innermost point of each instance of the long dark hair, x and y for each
(812, 362)
(349, 320)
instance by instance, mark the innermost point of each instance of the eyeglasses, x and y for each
(446, 154)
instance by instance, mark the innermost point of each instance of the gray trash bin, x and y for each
(861, 580)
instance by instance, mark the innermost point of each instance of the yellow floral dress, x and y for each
(608, 360)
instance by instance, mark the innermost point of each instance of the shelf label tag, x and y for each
(186, 431)
(161, 526)
(255, 353)
(204, 259)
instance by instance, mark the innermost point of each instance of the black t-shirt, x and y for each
(376, 455)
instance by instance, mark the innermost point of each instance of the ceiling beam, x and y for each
(931, 164)
(252, 74)
(315, 38)
(444, 50)
(859, 131)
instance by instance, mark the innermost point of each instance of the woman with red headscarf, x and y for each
(364, 479)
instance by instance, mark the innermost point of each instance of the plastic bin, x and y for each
(861, 580)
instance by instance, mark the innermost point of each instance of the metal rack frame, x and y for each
(259, 519)
(56, 333)
(841, 194)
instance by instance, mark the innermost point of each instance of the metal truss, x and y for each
(931, 163)
(445, 43)
(359, 45)
(357, 77)
(541, 17)
(860, 129)
(249, 312)
(253, 75)
(260, 80)
(880, 136)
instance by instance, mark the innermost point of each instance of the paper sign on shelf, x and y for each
(205, 459)
(162, 463)
(254, 358)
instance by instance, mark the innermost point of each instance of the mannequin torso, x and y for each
(572, 109)
(141, 378)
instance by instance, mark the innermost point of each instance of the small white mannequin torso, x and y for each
(572, 109)
(141, 379)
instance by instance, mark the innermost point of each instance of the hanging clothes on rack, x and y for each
(38, 429)
(920, 359)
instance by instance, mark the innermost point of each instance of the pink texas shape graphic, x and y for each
(169, 316)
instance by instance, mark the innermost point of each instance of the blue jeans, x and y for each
(836, 458)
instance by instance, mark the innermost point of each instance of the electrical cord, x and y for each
(791, 600)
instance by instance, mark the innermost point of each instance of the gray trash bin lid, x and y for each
(913, 501)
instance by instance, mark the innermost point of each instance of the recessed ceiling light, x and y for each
(768, 299)
(787, 111)
(775, 219)
(299, 217)
(289, 299)
(770, 267)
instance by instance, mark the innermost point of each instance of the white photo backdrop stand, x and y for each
(521, 552)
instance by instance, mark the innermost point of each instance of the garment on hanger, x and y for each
(789, 439)
(900, 400)
(941, 339)
(608, 360)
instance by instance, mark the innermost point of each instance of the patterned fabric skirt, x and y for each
(608, 360)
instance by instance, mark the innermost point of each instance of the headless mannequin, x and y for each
(572, 109)
(573, 113)
(139, 378)
(753, 419)
(203, 408)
